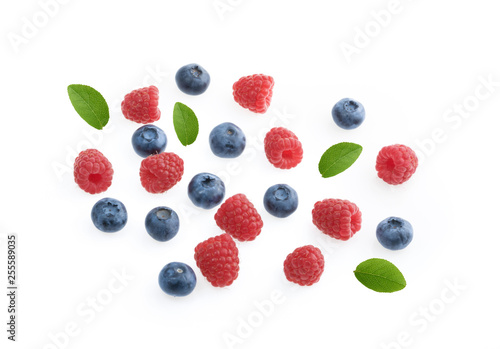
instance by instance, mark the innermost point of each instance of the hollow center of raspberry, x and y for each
(390, 165)
(394, 223)
(281, 194)
(351, 106)
(163, 214)
(208, 182)
(95, 178)
(287, 155)
(149, 135)
(196, 71)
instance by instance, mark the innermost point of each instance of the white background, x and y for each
(428, 57)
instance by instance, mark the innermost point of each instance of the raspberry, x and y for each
(254, 92)
(396, 163)
(283, 148)
(340, 219)
(161, 172)
(218, 260)
(304, 265)
(238, 217)
(93, 172)
(141, 105)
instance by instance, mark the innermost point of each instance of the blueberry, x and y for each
(206, 190)
(162, 223)
(177, 279)
(227, 140)
(192, 79)
(148, 140)
(394, 233)
(281, 200)
(109, 215)
(348, 113)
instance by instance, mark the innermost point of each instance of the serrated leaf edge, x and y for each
(352, 151)
(356, 273)
(178, 105)
(92, 109)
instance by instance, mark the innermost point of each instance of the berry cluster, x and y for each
(217, 257)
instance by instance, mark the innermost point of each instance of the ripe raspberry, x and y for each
(93, 172)
(337, 218)
(304, 265)
(141, 105)
(238, 217)
(283, 148)
(218, 260)
(254, 92)
(396, 163)
(161, 172)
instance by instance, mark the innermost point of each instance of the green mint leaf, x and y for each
(380, 275)
(338, 158)
(185, 124)
(90, 105)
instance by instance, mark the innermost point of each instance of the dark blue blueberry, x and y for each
(227, 140)
(206, 190)
(281, 200)
(394, 233)
(177, 279)
(162, 223)
(148, 140)
(192, 79)
(109, 215)
(348, 113)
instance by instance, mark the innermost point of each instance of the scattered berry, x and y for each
(93, 172)
(304, 265)
(177, 279)
(148, 140)
(218, 260)
(348, 113)
(161, 172)
(281, 200)
(396, 163)
(192, 79)
(254, 92)
(109, 215)
(141, 105)
(283, 148)
(227, 140)
(162, 223)
(238, 217)
(206, 190)
(394, 233)
(337, 218)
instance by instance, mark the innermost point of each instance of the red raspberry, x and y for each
(254, 92)
(340, 219)
(141, 105)
(283, 148)
(161, 172)
(396, 163)
(93, 172)
(218, 260)
(238, 217)
(304, 265)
